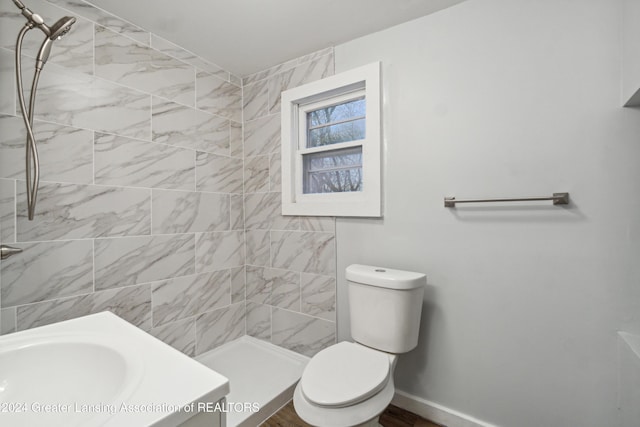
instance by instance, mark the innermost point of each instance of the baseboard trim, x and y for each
(436, 412)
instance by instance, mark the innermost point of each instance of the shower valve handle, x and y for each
(7, 251)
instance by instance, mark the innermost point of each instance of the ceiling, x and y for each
(246, 36)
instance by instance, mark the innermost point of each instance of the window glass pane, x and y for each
(343, 132)
(337, 113)
(334, 171)
(337, 123)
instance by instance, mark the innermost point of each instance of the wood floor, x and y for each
(391, 417)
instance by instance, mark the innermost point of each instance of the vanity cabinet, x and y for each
(208, 419)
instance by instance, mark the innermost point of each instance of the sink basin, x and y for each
(67, 371)
(87, 371)
(67, 366)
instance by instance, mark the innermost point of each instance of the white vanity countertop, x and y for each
(135, 367)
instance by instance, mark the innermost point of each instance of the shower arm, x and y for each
(31, 149)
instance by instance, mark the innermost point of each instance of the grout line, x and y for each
(93, 252)
(93, 50)
(93, 158)
(112, 186)
(15, 211)
(195, 88)
(151, 212)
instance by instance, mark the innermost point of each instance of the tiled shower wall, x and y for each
(146, 185)
(140, 201)
(291, 261)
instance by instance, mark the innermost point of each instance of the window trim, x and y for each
(362, 81)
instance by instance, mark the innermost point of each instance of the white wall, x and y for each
(498, 98)
(630, 50)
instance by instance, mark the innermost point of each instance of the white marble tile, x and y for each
(179, 335)
(132, 303)
(182, 126)
(219, 326)
(258, 287)
(316, 55)
(99, 16)
(237, 285)
(235, 80)
(237, 212)
(219, 250)
(183, 297)
(218, 174)
(171, 49)
(273, 286)
(308, 252)
(186, 212)
(275, 172)
(304, 73)
(264, 211)
(262, 136)
(255, 97)
(46, 271)
(318, 295)
(259, 320)
(208, 67)
(129, 162)
(257, 244)
(256, 174)
(7, 211)
(218, 96)
(285, 291)
(182, 54)
(11, 21)
(7, 81)
(122, 60)
(90, 103)
(235, 142)
(7, 320)
(318, 223)
(260, 75)
(126, 261)
(300, 333)
(66, 153)
(74, 50)
(70, 211)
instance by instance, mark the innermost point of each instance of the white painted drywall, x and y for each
(629, 379)
(496, 98)
(631, 52)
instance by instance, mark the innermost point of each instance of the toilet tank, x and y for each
(385, 307)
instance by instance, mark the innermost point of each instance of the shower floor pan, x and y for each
(260, 374)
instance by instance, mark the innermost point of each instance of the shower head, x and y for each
(61, 27)
(58, 30)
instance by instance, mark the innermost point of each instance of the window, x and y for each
(331, 146)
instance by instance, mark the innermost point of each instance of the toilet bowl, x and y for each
(351, 383)
(345, 385)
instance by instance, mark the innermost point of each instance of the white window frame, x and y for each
(296, 102)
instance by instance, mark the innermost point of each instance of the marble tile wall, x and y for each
(290, 261)
(160, 192)
(140, 206)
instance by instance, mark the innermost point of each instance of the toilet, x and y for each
(351, 383)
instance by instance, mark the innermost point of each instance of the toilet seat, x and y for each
(348, 416)
(345, 374)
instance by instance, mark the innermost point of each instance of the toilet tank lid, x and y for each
(385, 277)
